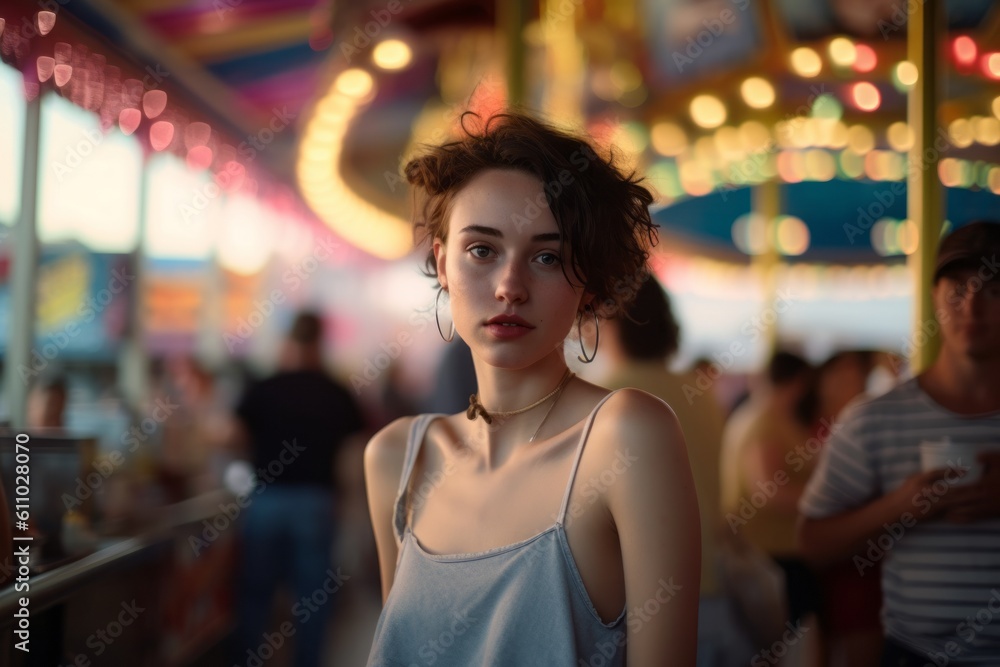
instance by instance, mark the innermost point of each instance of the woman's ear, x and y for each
(440, 255)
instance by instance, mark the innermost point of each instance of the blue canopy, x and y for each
(838, 213)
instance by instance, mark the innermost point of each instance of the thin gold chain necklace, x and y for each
(476, 408)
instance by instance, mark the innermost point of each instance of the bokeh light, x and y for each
(991, 65)
(355, 83)
(842, 52)
(708, 111)
(758, 93)
(860, 139)
(668, 139)
(792, 236)
(964, 49)
(806, 62)
(749, 233)
(960, 132)
(900, 136)
(392, 54)
(866, 96)
(866, 59)
(986, 130)
(906, 74)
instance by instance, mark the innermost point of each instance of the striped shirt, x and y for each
(940, 580)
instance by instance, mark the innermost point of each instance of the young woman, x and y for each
(554, 523)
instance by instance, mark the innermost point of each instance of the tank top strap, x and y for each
(418, 429)
(579, 455)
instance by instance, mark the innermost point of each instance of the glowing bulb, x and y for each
(900, 136)
(907, 73)
(806, 62)
(392, 54)
(961, 133)
(987, 131)
(668, 139)
(866, 96)
(843, 52)
(128, 120)
(758, 93)
(45, 21)
(860, 139)
(355, 83)
(964, 50)
(708, 111)
(153, 103)
(45, 65)
(991, 65)
(866, 59)
(161, 134)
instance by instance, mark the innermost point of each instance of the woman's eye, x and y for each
(480, 251)
(549, 259)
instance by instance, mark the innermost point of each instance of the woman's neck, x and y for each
(504, 390)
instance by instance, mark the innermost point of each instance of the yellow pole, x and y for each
(924, 192)
(766, 203)
(512, 15)
(564, 54)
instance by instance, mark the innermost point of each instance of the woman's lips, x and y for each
(507, 331)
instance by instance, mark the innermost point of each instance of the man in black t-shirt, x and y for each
(294, 423)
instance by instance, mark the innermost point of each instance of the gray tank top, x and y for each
(517, 605)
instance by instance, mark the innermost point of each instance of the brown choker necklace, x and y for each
(476, 408)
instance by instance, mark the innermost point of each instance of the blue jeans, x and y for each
(722, 641)
(288, 536)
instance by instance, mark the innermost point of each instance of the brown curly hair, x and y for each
(602, 213)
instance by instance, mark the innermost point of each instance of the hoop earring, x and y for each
(597, 336)
(437, 318)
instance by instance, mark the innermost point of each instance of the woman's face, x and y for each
(503, 257)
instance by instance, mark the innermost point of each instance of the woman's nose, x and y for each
(511, 286)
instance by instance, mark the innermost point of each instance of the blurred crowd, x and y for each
(753, 443)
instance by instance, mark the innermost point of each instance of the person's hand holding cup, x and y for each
(974, 493)
(960, 457)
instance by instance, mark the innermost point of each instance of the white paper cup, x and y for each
(958, 456)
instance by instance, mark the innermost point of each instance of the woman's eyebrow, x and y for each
(493, 231)
(482, 229)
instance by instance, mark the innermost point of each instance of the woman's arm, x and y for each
(655, 510)
(384, 457)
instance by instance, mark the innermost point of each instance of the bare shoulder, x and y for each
(637, 418)
(385, 454)
(631, 427)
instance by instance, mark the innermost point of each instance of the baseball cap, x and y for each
(969, 246)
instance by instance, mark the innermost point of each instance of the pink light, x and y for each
(154, 102)
(866, 96)
(865, 59)
(964, 50)
(131, 92)
(63, 53)
(62, 74)
(45, 22)
(161, 134)
(128, 120)
(45, 65)
(199, 157)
